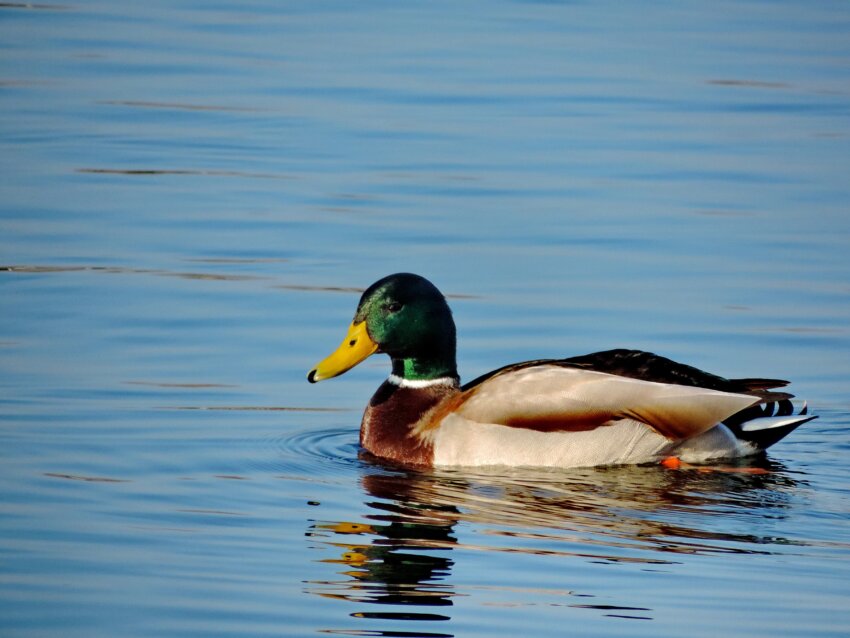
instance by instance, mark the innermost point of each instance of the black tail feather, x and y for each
(762, 426)
(786, 408)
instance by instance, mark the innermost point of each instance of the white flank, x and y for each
(459, 441)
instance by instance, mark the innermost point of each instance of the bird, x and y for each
(606, 408)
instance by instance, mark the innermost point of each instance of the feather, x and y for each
(554, 398)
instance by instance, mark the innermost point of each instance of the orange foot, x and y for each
(675, 463)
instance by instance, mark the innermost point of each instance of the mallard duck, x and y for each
(612, 407)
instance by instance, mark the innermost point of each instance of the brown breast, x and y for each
(388, 425)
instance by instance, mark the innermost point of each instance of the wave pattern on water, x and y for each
(193, 196)
(411, 536)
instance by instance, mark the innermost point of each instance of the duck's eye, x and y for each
(393, 306)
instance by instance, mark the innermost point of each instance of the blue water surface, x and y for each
(193, 195)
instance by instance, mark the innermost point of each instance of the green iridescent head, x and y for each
(406, 317)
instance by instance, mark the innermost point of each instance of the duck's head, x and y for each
(406, 317)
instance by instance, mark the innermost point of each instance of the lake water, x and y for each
(192, 195)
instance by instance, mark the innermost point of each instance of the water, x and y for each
(192, 195)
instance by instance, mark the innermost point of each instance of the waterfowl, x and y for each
(612, 407)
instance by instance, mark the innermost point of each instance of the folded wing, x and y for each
(554, 398)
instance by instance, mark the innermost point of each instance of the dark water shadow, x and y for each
(35, 6)
(354, 290)
(753, 84)
(183, 106)
(180, 171)
(40, 269)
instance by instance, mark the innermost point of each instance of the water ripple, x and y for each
(417, 528)
(313, 454)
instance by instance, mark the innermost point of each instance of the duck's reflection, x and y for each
(399, 558)
(402, 554)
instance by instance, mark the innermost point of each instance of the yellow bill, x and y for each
(356, 346)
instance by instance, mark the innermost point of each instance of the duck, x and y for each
(606, 408)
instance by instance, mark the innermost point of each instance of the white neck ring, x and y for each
(420, 383)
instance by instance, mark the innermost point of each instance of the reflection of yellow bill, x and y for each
(347, 528)
(356, 346)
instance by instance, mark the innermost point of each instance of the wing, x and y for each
(550, 397)
(646, 366)
(638, 364)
